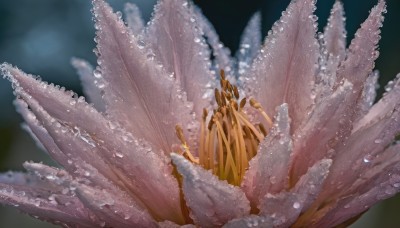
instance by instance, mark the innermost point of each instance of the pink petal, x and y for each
(368, 94)
(139, 94)
(335, 33)
(285, 207)
(268, 172)
(114, 210)
(133, 18)
(362, 51)
(376, 184)
(220, 53)
(92, 86)
(181, 49)
(212, 202)
(327, 126)
(285, 69)
(250, 221)
(46, 205)
(250, 44)
(333, 51)
(148, 172)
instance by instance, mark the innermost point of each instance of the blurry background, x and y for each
(41, 36)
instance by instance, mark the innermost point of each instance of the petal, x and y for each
(147, 170)
(368, 94)
(133, 18)
(268, 172)
(250, 44)
(181, 49)
(285, 207)
(335, 33)
(333, 51)
(376, 184)
(220, 53)
(362, 51)
(43, 204)
(212, 202)
(114, 210)
(310, 184)
(250, 221)
(139, 94)
(285, 69)
(327, 126)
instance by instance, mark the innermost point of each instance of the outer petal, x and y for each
(148, 173)
(181, 49)
(92, 86)
(139, 94)
(212, 202)
(114, 210)
(268, 172)
(285, 207)
(41, 199)
(285, 69)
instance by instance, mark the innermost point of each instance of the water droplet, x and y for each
(296, 205)
(377, 141)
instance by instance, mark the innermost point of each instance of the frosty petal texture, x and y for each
(211, 201)
(291, 44)
(268, 169)
(154, 149)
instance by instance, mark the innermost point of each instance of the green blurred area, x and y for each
(41, 36)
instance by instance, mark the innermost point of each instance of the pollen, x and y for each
(228, 138)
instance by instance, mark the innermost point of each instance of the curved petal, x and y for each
(92, 86)
(268, 170)
(326, 127)
(181, 49)
(212, 202)
(114, 210)
(147, 172)
(285, 69)
(138, 92)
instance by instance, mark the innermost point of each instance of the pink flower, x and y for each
(287, 135)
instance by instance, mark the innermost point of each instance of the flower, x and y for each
(288, 137)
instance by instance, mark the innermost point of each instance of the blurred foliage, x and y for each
(41, 36)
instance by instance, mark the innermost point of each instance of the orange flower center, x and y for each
(229, 140)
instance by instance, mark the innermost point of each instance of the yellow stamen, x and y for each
(229, 140)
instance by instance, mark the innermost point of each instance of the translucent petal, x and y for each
(179, 46)
(327, 126)
(368, 94)
(212, 202)
(92, 86)
(133, 18)
(139, 94)
(268, 170)
(250, 44)
(285, 69)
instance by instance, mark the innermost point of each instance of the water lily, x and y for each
(179, 133)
